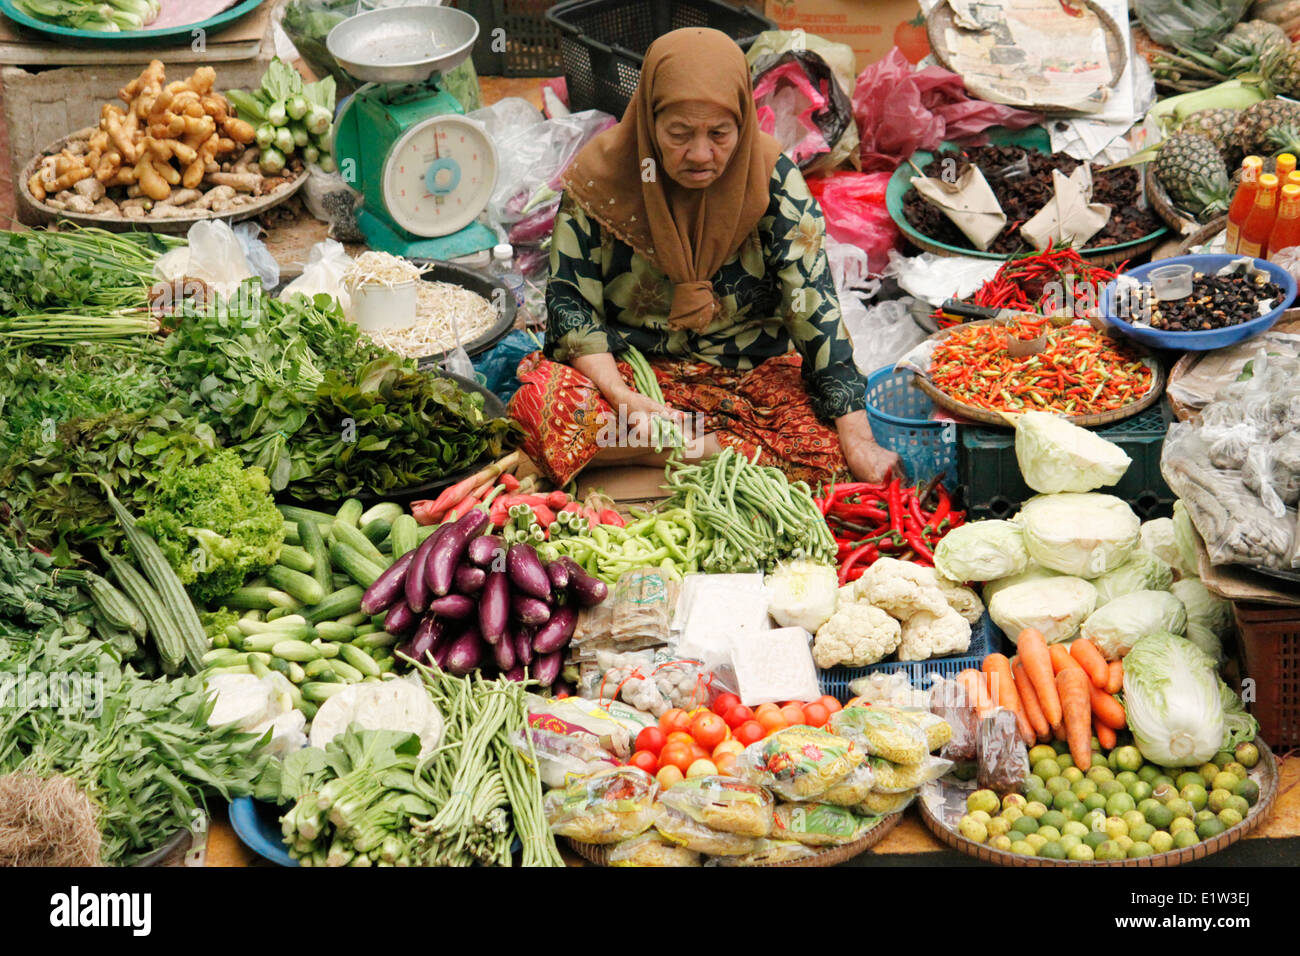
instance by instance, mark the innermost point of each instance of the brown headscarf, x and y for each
(687, 233)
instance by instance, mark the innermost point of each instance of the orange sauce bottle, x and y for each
(1255, 230)
(1285, 166)
(1286, 231)
(1243, 200)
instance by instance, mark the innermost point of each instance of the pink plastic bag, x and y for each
(786, 102)
(854, 207)
(900, 109)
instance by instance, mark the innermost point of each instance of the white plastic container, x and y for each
(1172, 282)
(382, 307)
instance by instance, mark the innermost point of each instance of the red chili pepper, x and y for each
(859, 511)
(894, 497)
(941, 512)
(856, 573)
(610, 516)
(867, 552)
(919, 546)
(917, 516)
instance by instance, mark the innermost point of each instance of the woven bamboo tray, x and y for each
(947, 402)
(1203, 234)
(1290, 322)
(1159, 199)
(41, 213)
(831, 856)
(1265, 774)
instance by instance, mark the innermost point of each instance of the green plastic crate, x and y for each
(988, 471)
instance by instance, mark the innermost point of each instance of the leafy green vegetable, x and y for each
(1174, 704)
(215, 522)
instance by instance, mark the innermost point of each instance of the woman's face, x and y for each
(696, 141)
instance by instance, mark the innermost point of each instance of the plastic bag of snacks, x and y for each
(723, 803)
(651, 849)
(798, 763)
(606, 807)
(768, 852)
(948, 701)
(897, 777)
(853, 789)
(560, 757)
(1003, 759)
(679, 828)
(882, 732)
(643, 604)
(937, 731)
(820, 824)
(883, 803)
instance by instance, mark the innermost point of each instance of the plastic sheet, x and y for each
(854, 207)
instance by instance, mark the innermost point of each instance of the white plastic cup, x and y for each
(1172, 282)
(384, 307)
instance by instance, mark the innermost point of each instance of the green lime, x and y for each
(1139, 790)
(1053, 818)
(1180, 807)
(1052, 850)
(1022, 848)
(1142, 832)
(1100, 773)
(1180, 824)
(1127, 758)
(1061, 747)
(1074, 828)
(1247, 754)
(1112, 760)
(1081, 853)
(1033, 782)
(1011, 814)
(1125, 842)
(973, 829)
(1165, 779)
(1195, 794)
(1094, 801)
(1133, 818)
(1014, 800)
(1230, 817)
(1095, 820)
(1161, 841)
(981, 815)
(1035, 841)
(1069, 842)
(1040, 753)
(1000, 842)
(1185, 838)
(1049, 833)
(1145, 805)
(1063, 799)
(1225, 781)
(1218, 800)
(1039, 795)
(1237, 770)
(1209, 829)
(966, 770)
(1065, 760)
(1240, 804)
(1109, 850)
(1223, 758)
(1072, 774)
(1208, 772)
(1202, 815)
(1095, 838)
(1159, 816)
(1095, 743)
(1119, 803)
(1127, 778)
(985, 800)
(1047, 769)
(1189, 778)
(1139, 848)
(1098, 759)
(1081, 788)
(1109, 788)
(1076, 811)
(1116, 827)
(1035, 809)
(1057, 784)
(1164, 793)
(1026, 825)
(1148, 772)
(998, 826)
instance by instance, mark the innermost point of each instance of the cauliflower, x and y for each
(856, 635)
(962, 600)
(901, 588)
(848, 594)
(927, 635)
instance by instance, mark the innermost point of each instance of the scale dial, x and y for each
(439, 175)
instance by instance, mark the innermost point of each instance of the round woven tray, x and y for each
(947, 402)
(1159, 199)
(40, 213)
(831, 856)
(1290, 322)
(1098, 255)
(1203, 234)
(1265, 774)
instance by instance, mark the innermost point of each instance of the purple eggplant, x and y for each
(548, 667)
(417, 590)
(485, 550)
(466, 652)
(526, 572)
(469, 579)
(494, 607)
(440, 568)
(516, 673)
(555, 633)
(588, 590)
(504, 652)
(524, 646)
(562, 688)
(529, 610)
(400, 618)
(455, 606)
(558, 572)
(440, 652)
(388, 587)
(423, 640)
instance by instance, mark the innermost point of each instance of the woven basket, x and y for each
(831, 856)
(1201, 236)
(1159, 199)
(1268, 780)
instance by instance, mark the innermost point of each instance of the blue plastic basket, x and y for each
(984, 640)
(899, 414)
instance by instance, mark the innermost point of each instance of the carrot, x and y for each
(1105, 736)
(1115, 680)
(1058, 731)
(1061, 658)
(977, 691)
(1089, 658)
(1038, 666)
(1002, 683)
(1107, 710)
(1029, 699)
(1073, 686)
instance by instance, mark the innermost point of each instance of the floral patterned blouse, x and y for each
(777, 293)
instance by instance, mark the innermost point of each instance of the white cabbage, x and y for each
(1054, 606)
(1171, 693)
(1209, 618)
(1159, 537)
(1119, 625)
(1056, 455)
(981, 551)
(388, 705)
(802, 594)
(1084, 535)
(1143, 571)
(1033, 572)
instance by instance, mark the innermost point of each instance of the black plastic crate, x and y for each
(603, 42)
(990, 476)
(515, 38)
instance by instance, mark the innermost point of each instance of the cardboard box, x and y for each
(870, 27)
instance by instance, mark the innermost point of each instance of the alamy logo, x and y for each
(75, 909)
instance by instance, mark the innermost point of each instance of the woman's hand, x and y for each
(866, 460)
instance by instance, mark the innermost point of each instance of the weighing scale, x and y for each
(425, 172)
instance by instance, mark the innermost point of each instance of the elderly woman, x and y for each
(687, 234)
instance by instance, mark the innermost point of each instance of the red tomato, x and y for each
(765, 709)
(674, 718)
(709, 730)
(651, 739)
(679, 737)
(816, 714)
(738, 715)
(830, 703)
(750, 732)
(724, 703)
(771, 721)
(726, 764)
(698, 753)
(646, 761)
(677, 755)
(793, 714)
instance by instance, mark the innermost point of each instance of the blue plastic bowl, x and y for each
(1199, 341)
(257, 825)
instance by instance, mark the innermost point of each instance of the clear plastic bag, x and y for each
(948, 701)
(853, 789)
(331, 200)
(882, 733)
(327, 264)
(723, 803)
(643, 603)
(766, 853)
(798, 763)
(561, 758)
(651, 849)
(606, 807)
(897, 778)
(679, 828)
(885, 803)
(882, 333)
(1003, 760)
(820, 824)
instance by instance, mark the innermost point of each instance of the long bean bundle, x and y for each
(664, 433)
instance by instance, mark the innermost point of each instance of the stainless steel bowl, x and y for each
(402, 44)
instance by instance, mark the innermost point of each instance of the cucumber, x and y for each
(259, 627)
(377, 532)
(347, 672)
(296, 651)
(349, 512)
(260, 599)
(375, 639)
(296, 673)
(299, 559)
(318, 692)
(403, 535)
(338, 579)
(313, 542)
(385, 511)
(343, 602)
(359, 659)
(307, 707)
(356, 619)
(424, 530)
(231, 669)
(299, 515)
(303, 587)
(278, 614)
(223, 656)
(363, 629)
(267, 640)
(291, 533)
(334, 631)
(359, 568)
(326, 649)
(357, 541)
(221, 639)
(313, 669)
(257, 667)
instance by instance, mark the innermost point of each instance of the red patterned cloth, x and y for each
(765, 409)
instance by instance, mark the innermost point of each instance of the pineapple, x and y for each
(1284, 77)
(1216, 124)
(1250, 135)
(1253, 46)
(1191, 170)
